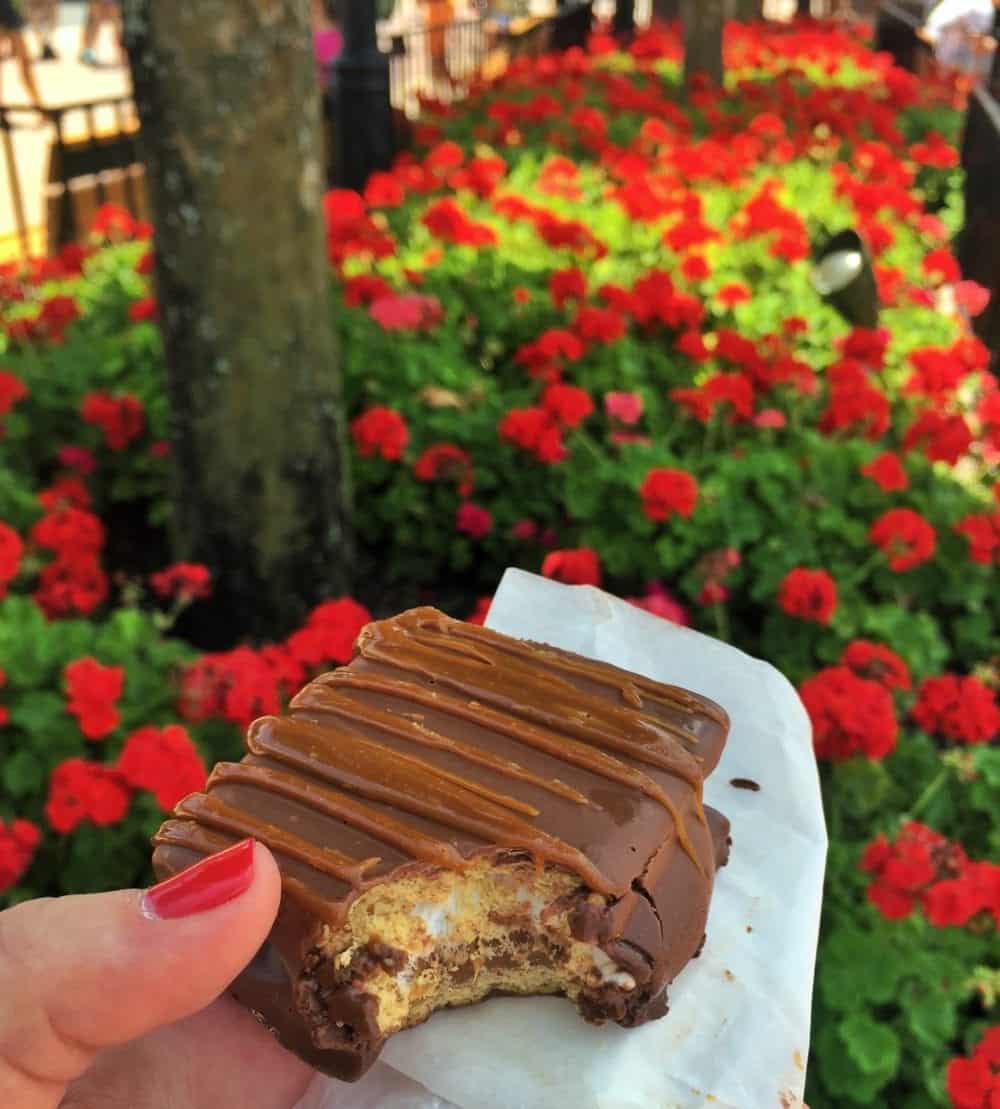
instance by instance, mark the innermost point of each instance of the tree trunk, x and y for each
(228, 99)
(747, 10)
(703, 22)
(666, 11)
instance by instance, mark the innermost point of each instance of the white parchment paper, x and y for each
(737, 1033)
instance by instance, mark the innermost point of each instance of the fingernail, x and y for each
(204, 886)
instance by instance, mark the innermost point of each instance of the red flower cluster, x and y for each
(143, 309)
(808, 594)
(666, 492)
(446, 460)
(242, 684)
(568, 284)
(568, 405)
(380, 431)
(907, 539)
(922, 868)
(983, 533)
(406, 312)
(12, 390)
(534, 430)
(887, 472)
(958, 708)
(11, 549)
(850, 715)
(164, 761)
(877, 663)
(943, 437)
(446, 220)
(733, 389)
(92, 690)
(574, 567)
(187, 581)
(473, 520)
(74, 580)
(121, 419)
(974, 1082)
(82, 790)
(18, 841)
(854, 404)
(350, 232)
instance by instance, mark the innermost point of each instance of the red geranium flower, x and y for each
(480, 612)
(575, 567)
(473, 520)
(876, 662)
(568, 284)
(626, 408)
(446, 460)
(983, 534)
(12, 389)
(121, 418)
(82, 790)
(77, 458)
(18, 841)
(599, 325)
(534, 430)
(850, 715)
(92, 690)
(905, 536)
(568, 405)
(144, 309)
(187, 581)
(164, 761)
(446, 220)
(68, 491)
(943, 438)
(887, 472)
(974, 1083)
(11, 549)
(809, 594)
(667, 492)
(406, 312)
(732, 294)
(958, 708)
(380, 431)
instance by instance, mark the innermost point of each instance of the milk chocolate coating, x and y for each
(442, 742)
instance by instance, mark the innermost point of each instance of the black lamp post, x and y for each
(359, 93)
(844, 277)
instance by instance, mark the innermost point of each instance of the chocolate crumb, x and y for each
(749, 928)
(745, 783)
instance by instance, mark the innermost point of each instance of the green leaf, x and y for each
(872, 1046)
(23, 774)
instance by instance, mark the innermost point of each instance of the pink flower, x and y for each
(525, 530)
(77, 458)
(660, 602)
(406, 312)
(624, 407)
(473, 520)
(770, 418)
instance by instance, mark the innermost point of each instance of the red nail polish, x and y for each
(204, 886)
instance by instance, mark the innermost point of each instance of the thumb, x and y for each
(78, 974)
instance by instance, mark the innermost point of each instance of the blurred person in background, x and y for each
(327, 38)
(43, 15)
(100, 12)
(12, 40)
(961, 33)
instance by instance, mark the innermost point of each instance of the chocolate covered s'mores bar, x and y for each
(456, 813)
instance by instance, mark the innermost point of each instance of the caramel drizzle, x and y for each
(327, 700)
(200, 840)
(562, 747)
(387, 777)
(338, 806)
(659, 750)
(633, 687)
(466, 681)
(209, 810)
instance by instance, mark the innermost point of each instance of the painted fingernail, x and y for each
(204, 886)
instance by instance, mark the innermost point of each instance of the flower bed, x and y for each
(579, 336)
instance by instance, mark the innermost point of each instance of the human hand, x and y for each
(113, 1000)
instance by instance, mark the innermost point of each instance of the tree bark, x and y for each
(666, 10)
(229, 105)
(747, 10)
(703, 22)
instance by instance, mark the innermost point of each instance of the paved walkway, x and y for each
(61, 82)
